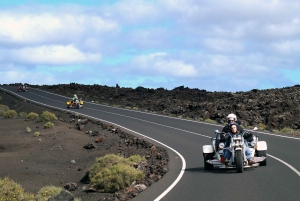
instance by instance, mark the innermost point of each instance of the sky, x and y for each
(214, 45)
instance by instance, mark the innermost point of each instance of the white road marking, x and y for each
(291, 167)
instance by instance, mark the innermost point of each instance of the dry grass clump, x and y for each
(12, 191)
(32, 116)
(28, 130)
(36, 134)
(287, 130)
(210, 121)
(10, 114)
(261, 126)
(111, 173)
(47, 192)
(3, 108)
(23, 114)
(49, 125)
(48, 116)
(137, 159)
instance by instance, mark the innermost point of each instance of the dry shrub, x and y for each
(10, 114)
(28, 130)
(49, 125)
(36, 134)
(137, 159)
(10, 190)
(261, 126)
(3, 108)
(22, 114)
(47, 192)
(111, 173)
(32, 116)
(48, 116)
(116, 177)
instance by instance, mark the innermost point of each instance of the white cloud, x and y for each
(159, 64)
(287, 47)
(27, 28)
(224, 46)
(134, 11)
(53, 55)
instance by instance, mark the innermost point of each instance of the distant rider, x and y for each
(74, 98)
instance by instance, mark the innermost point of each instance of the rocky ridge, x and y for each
(274, 108)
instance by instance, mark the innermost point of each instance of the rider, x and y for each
(247, 136)
(74, 98)
(231, 118)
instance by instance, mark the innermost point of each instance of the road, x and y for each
(186, 178)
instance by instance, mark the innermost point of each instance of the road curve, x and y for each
(186, 178)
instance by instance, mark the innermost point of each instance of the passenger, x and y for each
(227, 154)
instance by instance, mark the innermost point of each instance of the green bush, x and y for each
(116, 177)
(49, 125)
(48, 116)
(32, 116)
(3, 108)
(9, 190)
(47, 192)
(10, 114)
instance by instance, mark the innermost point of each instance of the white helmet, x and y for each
(231, 117)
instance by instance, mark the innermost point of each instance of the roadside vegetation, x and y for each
(112, 172)
(10, 114)
(109, 174)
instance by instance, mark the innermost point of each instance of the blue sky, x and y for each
(214, 45)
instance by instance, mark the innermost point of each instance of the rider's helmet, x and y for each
(231, 117)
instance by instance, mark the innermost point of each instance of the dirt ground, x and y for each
(57, 156)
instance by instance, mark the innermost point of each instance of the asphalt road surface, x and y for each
(186, 178)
